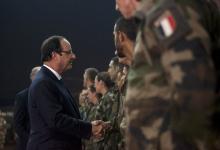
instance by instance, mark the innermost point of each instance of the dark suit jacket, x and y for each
(21, 119)
(54, 115)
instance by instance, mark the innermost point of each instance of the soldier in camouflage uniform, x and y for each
(85, 106)
(115, 71)
(172, 82)
(114, 68)
(93, 99)
(121, 117)
(125, 31)
(107, 110)
(88, 80)
(3, 129)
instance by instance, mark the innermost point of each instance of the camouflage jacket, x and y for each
(90, 144)
(107, 110)
(172, 81)
(85, 110)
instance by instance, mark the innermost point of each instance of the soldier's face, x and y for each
(122, 52)
(91, 96)
(112, 70)
(118, 45)
(126, 7)
(84, 80)
(98, 85)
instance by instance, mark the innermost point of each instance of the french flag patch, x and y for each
(165, 25)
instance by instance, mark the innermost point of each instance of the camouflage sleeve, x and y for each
(171, 82)
(84, 111)
(103, 109)
(147, 99)
(114, 108)
(107, 110)
(189, 70)
(99, 111)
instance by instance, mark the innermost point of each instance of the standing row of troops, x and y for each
(104, 92)
(169, 100)
(162, 90)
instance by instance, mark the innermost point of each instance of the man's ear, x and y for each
(54, 54)
(102, 83)
(121, 36)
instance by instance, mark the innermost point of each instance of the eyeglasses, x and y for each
(67, 52)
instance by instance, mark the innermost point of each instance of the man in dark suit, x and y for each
(54, 115)
(21, 117)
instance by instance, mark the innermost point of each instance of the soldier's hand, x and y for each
(107, 125)
(97, 128)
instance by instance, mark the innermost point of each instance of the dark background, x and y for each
(24, 24)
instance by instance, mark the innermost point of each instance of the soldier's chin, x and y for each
(120, 55)
(128, 14)
(123, 60)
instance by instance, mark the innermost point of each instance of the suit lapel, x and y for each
(62, 88)
(71, 99)
(73, 102)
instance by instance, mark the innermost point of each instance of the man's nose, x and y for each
(116, 6)
(73, 56)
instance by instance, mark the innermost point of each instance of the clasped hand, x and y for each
(99, 127)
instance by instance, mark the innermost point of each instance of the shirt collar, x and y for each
(54, 72)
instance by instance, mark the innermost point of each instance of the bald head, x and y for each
(34, 71)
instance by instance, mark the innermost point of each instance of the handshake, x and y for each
(99, 127)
